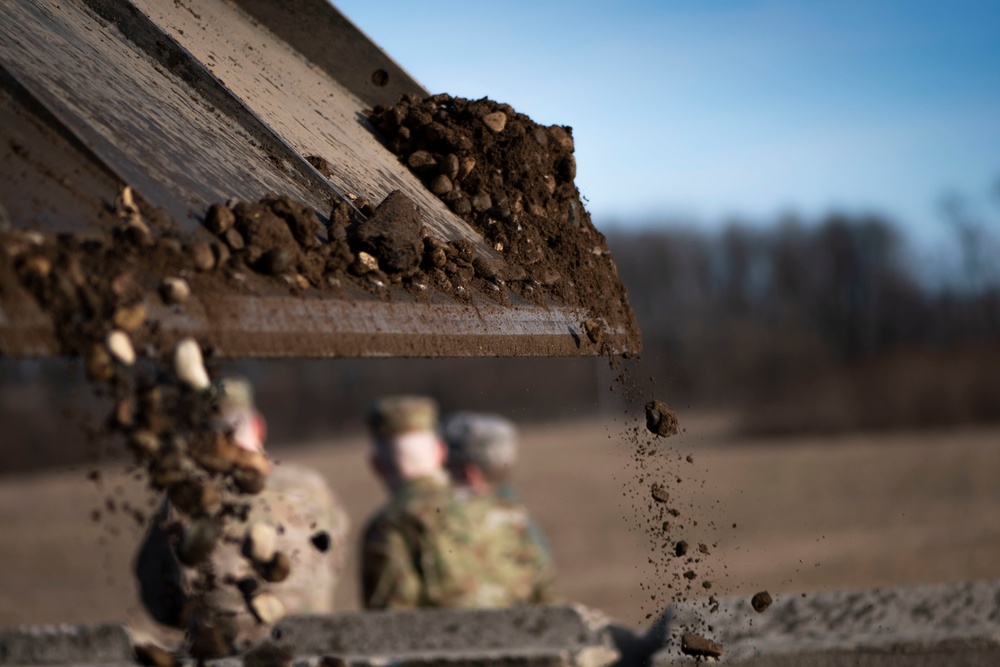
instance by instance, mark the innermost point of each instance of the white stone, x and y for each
(260, 542)
(120, 347)
(189, 365)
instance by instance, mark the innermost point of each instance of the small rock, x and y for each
(137, 232)
(219, 219)
(194, 497)
(659, 493)
(761, 601)
(124, 414)
(260, 542)
(481, 202)
(98, 364)
(495, 121)
(144, 443)
(461, 206)
(249, 481)
(595, 332)
(120, 347)
(276, 261)
(151, 655)
(681, 548)
(267, 608)
(38, 267)
(660, 419)
(488, 269)
(234, 239)
(465, 166)
(364, 264)
(441, 185)
(703, 548)
(203, 256)
(222, 253)
(189, 365)
(450, 166)
(175, 290)
(130, 318)
(321, 541)
(421, 161)
(198, 541)
(562, 137)
(277, 570)
(696, 645)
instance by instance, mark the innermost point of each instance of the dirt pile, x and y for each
(512, 180)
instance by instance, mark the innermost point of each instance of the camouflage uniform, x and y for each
(433, 546)
(298, 502)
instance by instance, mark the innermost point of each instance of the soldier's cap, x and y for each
(484, 440)
(396, 415)
(236, 393)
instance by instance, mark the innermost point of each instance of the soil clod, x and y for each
(698, 646)
(761, 601)
(660, 419)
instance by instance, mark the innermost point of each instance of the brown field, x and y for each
(810, 513)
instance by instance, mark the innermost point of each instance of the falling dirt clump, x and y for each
(681, 548)
(660, 419)
(698, 646)
(761, 601)
(513, 181)
(660, 493)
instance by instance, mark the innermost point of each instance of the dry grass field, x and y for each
(817, 513)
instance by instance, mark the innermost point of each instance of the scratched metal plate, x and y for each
(192, 102)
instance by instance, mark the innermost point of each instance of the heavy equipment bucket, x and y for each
(194, 102)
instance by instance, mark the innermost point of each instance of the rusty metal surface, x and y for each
(193, 102)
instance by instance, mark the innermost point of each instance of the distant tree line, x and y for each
(801, 327)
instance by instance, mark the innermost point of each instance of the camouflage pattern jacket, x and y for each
(434, 546)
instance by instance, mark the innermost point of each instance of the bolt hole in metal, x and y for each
(380, 77)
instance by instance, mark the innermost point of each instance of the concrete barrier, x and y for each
(954, 624)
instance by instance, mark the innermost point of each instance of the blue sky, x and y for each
(708, 109)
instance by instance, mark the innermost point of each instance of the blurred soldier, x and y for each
(482, 451)
(297, 507)
(429, 548)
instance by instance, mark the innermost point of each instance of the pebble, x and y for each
(267, 608)
(696, 645)
(421, 161)
(260, 542)
(321, 540)
(495, 121)
(189, 365)
(461, 206)
(365, 263)
(278, 569)
(659, 493)
(175, 290)
(234, 239)
(660, 419)
(144, 443)
(450, 166)
(681, 548)
(38, 266)
(198, 541)
(203, 256)
(120, 347)
(98, 364)
(130, 318)
(219, 219)
(441, 185)
(481, 202)
(761, 601)
(595, 332)
(562, 137)
(276, 261)
(465, 166)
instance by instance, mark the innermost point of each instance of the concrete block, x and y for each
(936, 623)
(570, 635)
(65, 645)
